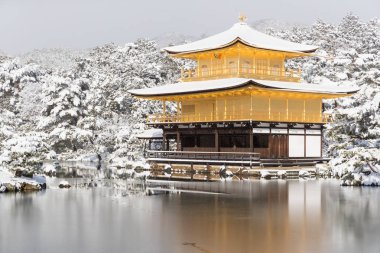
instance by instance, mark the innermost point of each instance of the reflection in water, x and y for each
(255, 216)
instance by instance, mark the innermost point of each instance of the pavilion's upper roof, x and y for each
(234, 83)
(241, 32)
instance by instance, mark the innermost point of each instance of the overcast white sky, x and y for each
(36, 24)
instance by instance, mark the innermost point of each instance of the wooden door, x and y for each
(278, 146)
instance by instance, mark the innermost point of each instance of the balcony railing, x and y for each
(264, 73)
(216, 156)
(254, 116)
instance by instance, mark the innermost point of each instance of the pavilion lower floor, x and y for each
(276, 141)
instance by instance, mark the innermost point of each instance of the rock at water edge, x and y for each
(64, 184)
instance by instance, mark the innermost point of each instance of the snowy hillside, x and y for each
(53, 57)
(168, 39)
(80, 105)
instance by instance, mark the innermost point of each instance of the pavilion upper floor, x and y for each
(244, 106)
(239, 60)
(239, 99)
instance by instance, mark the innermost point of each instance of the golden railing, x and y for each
(254, 116)
(266, 73)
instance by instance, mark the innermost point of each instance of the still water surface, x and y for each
(254, 216)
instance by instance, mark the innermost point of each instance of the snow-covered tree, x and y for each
(112, 111)
(25, 151)
(65, 106)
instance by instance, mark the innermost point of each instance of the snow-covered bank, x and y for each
(10, 183)
(361, 179)
(357, 166)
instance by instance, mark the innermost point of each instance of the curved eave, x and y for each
(238, 39)
(316, 92)
(232, 87)
(243, 84)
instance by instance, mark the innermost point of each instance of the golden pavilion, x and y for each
(240, 101)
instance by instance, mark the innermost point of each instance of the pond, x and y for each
(226, 216)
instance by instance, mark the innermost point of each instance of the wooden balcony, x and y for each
(236, 158)
(254, 116)
(263, 73)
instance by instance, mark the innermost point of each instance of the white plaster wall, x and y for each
(296, 146)
(313, 146)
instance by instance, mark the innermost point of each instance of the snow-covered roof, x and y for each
(151, 134)
(232, 83)
(245, 34)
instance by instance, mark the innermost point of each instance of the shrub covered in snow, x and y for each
(25, 151)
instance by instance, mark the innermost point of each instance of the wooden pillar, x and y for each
(195, 139)
(179, 145)
(164, 142)
(216, 140)
(269, 109)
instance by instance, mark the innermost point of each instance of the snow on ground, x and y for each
(5, 175)
(303, 173)
(265, 174)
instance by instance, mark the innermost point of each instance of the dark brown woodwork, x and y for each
(164, 141)
(179, 148)
(216, 140)
(250, 141)
(264, 152)
(278, 146)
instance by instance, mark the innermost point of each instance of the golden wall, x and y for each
(254, 107)
(240, 60)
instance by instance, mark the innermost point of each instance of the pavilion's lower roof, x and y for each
(182, 88)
